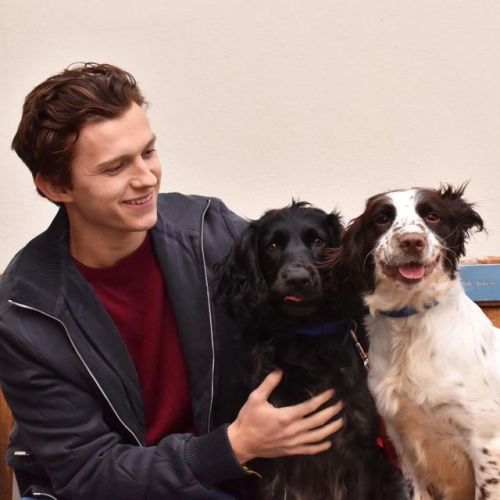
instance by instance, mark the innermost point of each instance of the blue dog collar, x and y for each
(407, 311)
(339, 328)
(343, 328)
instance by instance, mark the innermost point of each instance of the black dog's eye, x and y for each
(272, 247)
(432, 217)
(317, 242)
(382, 220)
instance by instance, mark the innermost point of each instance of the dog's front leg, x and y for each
(417, 492)
(487, 468)
(441, 468)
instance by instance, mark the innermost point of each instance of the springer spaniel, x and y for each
(273, 288)
(434, 355)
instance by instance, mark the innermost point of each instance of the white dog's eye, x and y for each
(432, 217)
(382, 220)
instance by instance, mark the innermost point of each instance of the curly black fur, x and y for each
(272, 286)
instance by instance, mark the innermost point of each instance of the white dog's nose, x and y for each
(412, 243)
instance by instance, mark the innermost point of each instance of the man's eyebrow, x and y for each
(151, 141)
(109, 162)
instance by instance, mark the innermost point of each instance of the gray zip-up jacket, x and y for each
(73, 389)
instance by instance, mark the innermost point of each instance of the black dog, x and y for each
(273, 287)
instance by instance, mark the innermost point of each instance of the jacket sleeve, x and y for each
(64, 425)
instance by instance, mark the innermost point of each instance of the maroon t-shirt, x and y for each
(135, 296)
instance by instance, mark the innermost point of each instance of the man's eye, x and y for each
(317, 242)
(432, 217)
(148, 153)
(272, 247)
(114, 169)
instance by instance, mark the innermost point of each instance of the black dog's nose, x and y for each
(412, 243)
(298, 277)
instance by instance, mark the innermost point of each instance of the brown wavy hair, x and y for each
(55, 111)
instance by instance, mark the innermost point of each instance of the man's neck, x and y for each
(101, 253)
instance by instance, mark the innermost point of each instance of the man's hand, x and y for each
(261, 430)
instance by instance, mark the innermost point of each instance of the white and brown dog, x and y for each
(434, 355)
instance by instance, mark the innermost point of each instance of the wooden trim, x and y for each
(489, 303)
(6, 422)
(492, 310)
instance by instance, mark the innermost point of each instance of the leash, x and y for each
(362, 353)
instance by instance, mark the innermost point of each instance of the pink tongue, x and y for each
(412, 271)
(292, 298)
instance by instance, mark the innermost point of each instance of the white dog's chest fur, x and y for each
(435, 376)
(434, 355)
(445, 359)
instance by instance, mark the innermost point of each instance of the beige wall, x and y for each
(257, 101)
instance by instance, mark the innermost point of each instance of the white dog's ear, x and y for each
(462, 212)
(463, 219)
(351, 261)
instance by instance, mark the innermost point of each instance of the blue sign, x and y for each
(481, 281)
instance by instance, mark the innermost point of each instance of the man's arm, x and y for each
(71, 436)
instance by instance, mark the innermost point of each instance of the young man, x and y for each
(112, 351)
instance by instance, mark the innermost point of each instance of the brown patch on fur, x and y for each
(431, 451)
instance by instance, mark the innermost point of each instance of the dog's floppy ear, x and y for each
(347, 264)
(464, 212)
(241, 282)
(463, 216)
(334, 227)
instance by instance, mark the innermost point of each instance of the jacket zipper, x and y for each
(24, 306)
(40, 494)
(209, 303)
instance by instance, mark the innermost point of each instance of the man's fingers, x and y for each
(315, 440)
(321, 433)
(311, 405)
(314, 435)
(268, 385)
(319, 418)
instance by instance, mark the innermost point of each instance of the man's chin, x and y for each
(144, 223)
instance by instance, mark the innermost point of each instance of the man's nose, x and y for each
(145, 173)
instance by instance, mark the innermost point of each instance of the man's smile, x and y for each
(140, 201)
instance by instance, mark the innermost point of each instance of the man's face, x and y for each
(115, 178)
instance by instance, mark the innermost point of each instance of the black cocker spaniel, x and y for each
(296, 319)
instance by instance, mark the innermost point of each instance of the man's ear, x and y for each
(54, 192)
